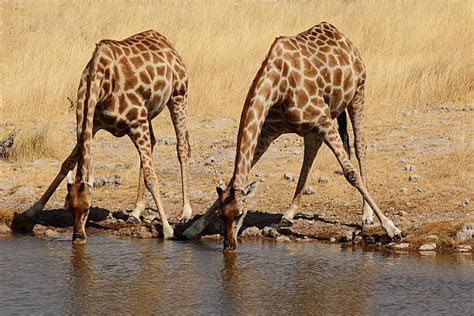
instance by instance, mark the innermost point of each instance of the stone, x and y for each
(413, 177)
(466, 233)
(400, 213)
(410, 168)
(332, 239)
(346, 236)
(432, 237)
(428, 247)
(323, 180)
(113, 180)
(50, 233)
(252, 232)
(211, 159)
(465, 202)
(290, 177)
(4, 229)
(404, 190)
(309, 191)
(339, 172)
(346, 203)
(463, 248)
(24, 190)
(400, 246)
(270, 232)
(282, 238)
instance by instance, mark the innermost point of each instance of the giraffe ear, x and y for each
(249, 190)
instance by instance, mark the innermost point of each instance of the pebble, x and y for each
(465, 203)
(309, 191)
(4, 229)
(400, 246)
(339, 172)
(428, 247)
(24, 190)
(290, 177)
(270, 232)
(50, 233)
(252, 232)
(413, 177)
(401, 213)
(466, 233)
(332, 239)
(346, 203)
(283, 239)
(113, 180)
(463, 248)
(346, 236)
(404, 190)
(432, 237)
(410, 168)
(323, 180)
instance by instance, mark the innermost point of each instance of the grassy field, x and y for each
(417, 52)
(420, 94)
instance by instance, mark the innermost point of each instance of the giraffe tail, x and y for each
(342, 129)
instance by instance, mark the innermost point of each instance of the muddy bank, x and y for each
(452, 236)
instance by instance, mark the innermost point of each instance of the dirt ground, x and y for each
(432, 143)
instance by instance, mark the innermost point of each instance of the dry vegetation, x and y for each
(419, 56)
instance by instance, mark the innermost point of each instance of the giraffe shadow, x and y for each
(59, 218)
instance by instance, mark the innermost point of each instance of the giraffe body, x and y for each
(304, 83)
(124, 86)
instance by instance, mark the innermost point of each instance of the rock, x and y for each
(404, 190)
(465, 203)
(428, 247)
(413, 177)
(463, 248)
(400, 213)
(400, 246)
(358, 239)
(323, 180)
(282, 238)
(346, 236)
(419, 190)
(4, 229)
(290, 177)
(170, 195)
(211, 159)
(39, 229)
(212, 237)
(50, 233)
(252, 232)
(167, 141)
(113, 180)
(410, 168)
(24, 190)
(6, 145)
(346, 203)
(466, 233)
(309, 190)
(332, 239)
(432, 237)
(339, 172)
(270, 232)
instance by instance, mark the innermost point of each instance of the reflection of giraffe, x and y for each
(125, 85)
(305, 82)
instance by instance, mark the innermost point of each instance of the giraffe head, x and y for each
(232, 203)
(78, 202)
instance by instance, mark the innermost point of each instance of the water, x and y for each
(125, 276)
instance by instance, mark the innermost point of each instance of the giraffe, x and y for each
(124, 86)
(304, 83)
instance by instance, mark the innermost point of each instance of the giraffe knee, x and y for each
(351, 176)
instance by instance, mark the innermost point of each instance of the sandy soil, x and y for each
(433, 141)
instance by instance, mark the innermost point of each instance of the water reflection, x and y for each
(109, 275)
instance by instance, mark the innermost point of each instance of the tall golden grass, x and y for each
(417, 52)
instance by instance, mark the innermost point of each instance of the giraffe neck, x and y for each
(85, 117)
(257, 104)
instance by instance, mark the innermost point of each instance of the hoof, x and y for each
(285, 222)
(168, 232)
(133, 220)
(397, 237)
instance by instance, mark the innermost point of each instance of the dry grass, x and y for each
(34, 143)
(417, 52)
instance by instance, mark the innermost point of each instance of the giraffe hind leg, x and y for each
(333, 140)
